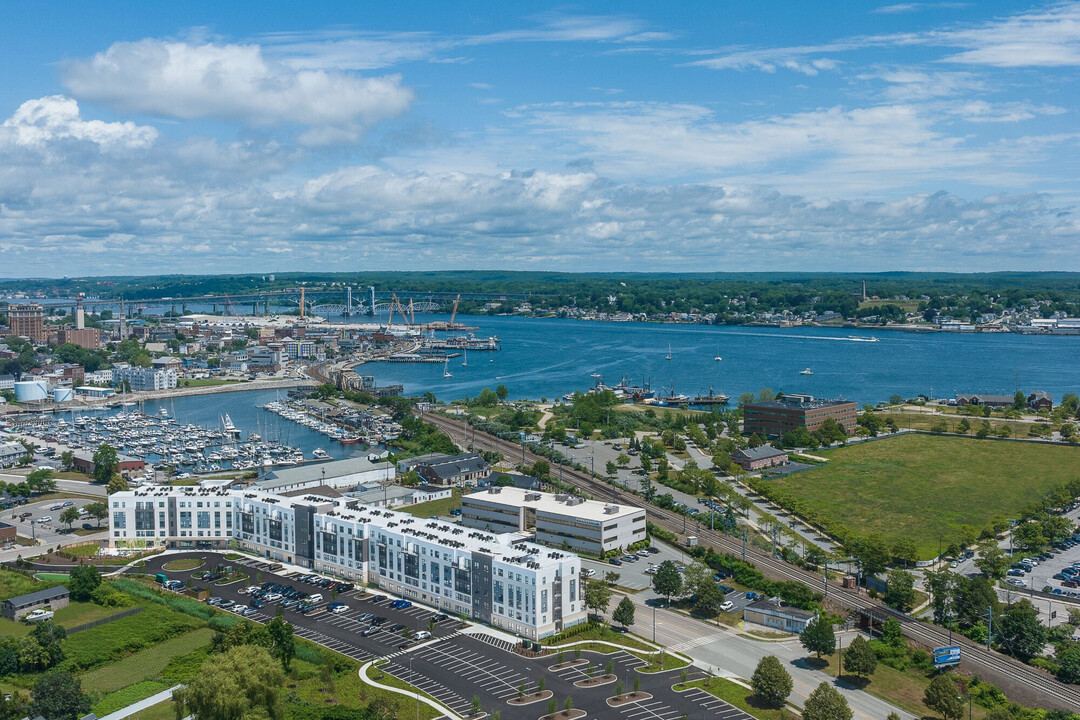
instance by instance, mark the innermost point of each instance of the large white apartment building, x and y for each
(184, 517)
(558, 520)
(500, 579)
(145, 378)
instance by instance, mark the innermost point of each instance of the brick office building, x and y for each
(790, 412)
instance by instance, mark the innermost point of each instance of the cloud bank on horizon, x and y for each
(925, 136)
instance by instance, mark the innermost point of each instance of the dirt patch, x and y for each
(617, 700)
(596, 681)
(531, 698)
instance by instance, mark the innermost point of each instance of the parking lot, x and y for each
(1054, 569)
(41, 519)
(453, 667)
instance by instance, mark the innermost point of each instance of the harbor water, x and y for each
(551, 357)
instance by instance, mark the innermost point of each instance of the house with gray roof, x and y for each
(16, 607)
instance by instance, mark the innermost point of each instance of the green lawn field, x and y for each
(926, 486)
(439, 508)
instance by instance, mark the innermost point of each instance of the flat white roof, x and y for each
(570, 505)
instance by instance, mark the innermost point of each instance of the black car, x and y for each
(378, 598)
(379, 620)
(255, 603)
(440, 617)
(396, 627)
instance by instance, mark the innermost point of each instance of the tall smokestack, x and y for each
(80, 320)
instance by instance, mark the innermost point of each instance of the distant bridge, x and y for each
(318, 301)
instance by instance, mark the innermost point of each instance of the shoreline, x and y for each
(138, 397)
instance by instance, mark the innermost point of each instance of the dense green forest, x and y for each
(726, 294)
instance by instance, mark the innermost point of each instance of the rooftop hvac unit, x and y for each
(532, 496)
(611, 509)
(575, 501)
(561, 497)
(495, 489)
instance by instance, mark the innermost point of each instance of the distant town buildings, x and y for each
(27, 320)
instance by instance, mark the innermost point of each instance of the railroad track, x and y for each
(977, 658)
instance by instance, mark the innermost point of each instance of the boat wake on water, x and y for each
(786, 336)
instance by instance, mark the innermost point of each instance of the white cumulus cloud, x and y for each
(57, 117)
(235, 82)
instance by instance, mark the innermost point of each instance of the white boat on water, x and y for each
(465, 362)
(807, 371)
(446, 369)
(668, 352)
(227, 426)
(856, 338)
(718, 358)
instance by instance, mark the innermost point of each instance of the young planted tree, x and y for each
(859, 658)
(818, 637)
(667, 581)
(826, 703)
(942, 696)
(69, 516)
(771, 681)
(624, 612)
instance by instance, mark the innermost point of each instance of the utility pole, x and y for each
(744, 543)
(989, 624)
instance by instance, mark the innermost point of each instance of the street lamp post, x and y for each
(654, 623)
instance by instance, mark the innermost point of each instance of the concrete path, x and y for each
(142, 704)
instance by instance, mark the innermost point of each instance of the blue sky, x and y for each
(693, 136)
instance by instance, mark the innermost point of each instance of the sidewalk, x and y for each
(142, 704)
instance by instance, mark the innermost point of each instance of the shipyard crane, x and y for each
(453, 313)
(397, 303)
(228, 304)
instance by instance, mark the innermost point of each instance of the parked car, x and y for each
(396, 627)
(440, 617)
(314, 598)
(44, 519)
(39, 615)
(615, 561)
(378, 598)
(369, 630)
(727, 606)
(422, 635)
(337, 607)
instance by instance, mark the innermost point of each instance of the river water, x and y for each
(550, 357)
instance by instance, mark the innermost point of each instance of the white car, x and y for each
(340, 609)
(273, 597)
(248, 589)
(45, 519)
(39, 615)
(727, 606)
(422, 635)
